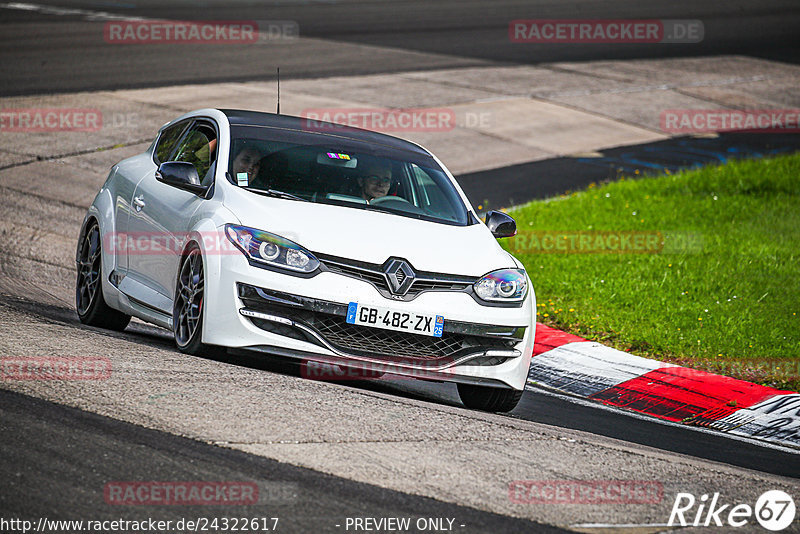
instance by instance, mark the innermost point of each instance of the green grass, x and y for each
(730, 303)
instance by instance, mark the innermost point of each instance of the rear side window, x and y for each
(167, 141)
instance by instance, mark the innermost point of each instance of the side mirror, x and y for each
(500, 224)
(182, 175)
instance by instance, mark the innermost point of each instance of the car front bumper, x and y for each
(257, 309)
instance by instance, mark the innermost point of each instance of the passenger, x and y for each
(247, 160)
(375, 180)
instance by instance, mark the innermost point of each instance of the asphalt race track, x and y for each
(46, 53)
(66, 464)
(323, 452)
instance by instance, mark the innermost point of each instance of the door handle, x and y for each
(138, 203)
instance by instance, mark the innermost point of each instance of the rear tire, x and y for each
(488, 399)
(188, 310)
(89, 301)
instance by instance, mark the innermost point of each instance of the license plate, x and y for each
(388, 319)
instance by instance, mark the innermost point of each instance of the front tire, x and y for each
(188, 310)
(488, 399)
(89, 301)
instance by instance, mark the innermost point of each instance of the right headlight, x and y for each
(505, 285)
(264, 247)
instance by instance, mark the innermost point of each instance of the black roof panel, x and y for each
(238, 117)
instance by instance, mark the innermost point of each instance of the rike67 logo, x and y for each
(774, 510)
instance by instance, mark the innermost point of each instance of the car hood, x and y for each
(371, 236)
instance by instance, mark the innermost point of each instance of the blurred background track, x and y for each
(46, 50)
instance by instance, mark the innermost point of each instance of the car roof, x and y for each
(238, 117)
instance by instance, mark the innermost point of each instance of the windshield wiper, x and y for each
(383, 209)
(370, 207)
(275, 193)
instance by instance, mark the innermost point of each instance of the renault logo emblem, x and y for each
(399, 275)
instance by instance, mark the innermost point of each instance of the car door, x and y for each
(127, 177)
(162, 217)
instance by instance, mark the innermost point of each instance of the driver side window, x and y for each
(199, 147)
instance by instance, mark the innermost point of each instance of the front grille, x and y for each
(372, 341)
(374, 275)
(377, 343)
(432, 285)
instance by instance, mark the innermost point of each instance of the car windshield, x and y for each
(346, 173)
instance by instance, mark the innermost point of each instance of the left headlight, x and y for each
(505, 285)
(270, 249)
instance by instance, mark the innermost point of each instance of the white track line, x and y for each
(65, 11)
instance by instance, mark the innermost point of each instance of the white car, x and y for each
(334, 245)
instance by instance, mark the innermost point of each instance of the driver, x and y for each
(247, 160)
(375, 180)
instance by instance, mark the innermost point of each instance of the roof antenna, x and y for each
(279, 90)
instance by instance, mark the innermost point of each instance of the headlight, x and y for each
(505, 285)
(271, 249)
